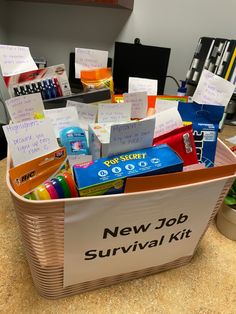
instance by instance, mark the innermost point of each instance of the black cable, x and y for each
(173, 78)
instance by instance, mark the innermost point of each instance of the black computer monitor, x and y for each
(137, 60)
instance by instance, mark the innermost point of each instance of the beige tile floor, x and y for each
(206, 285)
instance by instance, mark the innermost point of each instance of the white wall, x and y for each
(53, 30)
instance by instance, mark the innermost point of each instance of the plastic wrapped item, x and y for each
(205, 120)
(97, 79)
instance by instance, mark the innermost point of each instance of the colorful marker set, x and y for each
(49, 88)
(62, 186)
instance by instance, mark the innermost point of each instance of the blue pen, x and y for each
(42, 90)
(47, 90)
(52, 88)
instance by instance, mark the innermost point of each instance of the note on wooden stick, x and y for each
(166, 121)
(23, 108)
(139, 102)
(87, 113)
(162, 104)
(137, 84)
(86, 59)
(15, 60)
(62, 118)
(30, 139)
(213, 90)
(114, 113)
(130, 136)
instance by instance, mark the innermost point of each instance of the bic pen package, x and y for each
(108, 175)
(46, 177)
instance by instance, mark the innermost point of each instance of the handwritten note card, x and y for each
(213, 90)
(114, 113)
(30, 139)
(167, 121)
(137, 84)
(23, 108)
(16, 60)
(139, 102)
(126, 137)
(163, 104)
(62, 118)
(89, 58)
(87, 113)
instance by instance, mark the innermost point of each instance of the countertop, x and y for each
(205, 285)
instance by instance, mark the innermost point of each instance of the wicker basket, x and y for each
(42, 228)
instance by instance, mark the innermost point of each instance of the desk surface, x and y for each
(206, 285)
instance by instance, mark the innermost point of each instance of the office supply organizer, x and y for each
(216, 55)
(42, 224)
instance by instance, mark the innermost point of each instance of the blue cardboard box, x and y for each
(108, 175)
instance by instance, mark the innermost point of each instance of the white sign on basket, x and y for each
(113, 235)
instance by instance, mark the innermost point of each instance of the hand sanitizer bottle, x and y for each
(182, 89)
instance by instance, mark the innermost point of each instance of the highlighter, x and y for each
(64, 185)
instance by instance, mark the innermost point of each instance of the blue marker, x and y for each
(52, 89)
(42, 90)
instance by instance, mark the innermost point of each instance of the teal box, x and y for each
(108, 175)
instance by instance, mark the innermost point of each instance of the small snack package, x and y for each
(97, 79)
(180, 140)
(205, 121)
